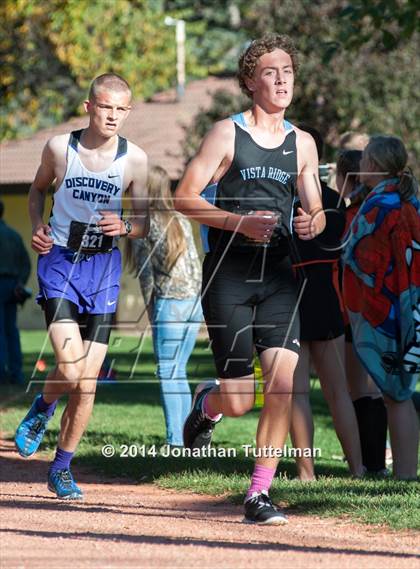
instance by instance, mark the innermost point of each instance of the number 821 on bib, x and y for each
(88, 238)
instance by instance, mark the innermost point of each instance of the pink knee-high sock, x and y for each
(208, 411)
(261, 479)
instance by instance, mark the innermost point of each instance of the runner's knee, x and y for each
(87, 386)
(277, 400)
(72, 372)
(239, 405)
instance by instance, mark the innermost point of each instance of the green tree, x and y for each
(390, 21)
(51, 50)
(215, 33)
(352, 75)
(33, 79)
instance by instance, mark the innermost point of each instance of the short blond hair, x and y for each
(109, 81)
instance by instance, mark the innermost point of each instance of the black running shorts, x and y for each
(249, 303)
(93, 327)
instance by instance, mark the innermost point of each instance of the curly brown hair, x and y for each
(268, 43)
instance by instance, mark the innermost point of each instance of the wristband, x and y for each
(128, 226)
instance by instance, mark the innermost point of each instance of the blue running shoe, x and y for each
(62, 483)
(31, 431)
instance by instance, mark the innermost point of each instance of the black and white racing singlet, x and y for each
(258, 179)
(83, 194)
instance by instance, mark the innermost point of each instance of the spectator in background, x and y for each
(367, 398)
(169, 271)
(15, 268)
(352, 140)
(382, 290)
(322, 336)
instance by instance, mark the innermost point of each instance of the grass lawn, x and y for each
(129, 413)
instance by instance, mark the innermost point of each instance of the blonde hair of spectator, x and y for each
(161, 207)
(352, 140)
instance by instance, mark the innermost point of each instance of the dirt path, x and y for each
(121, 524)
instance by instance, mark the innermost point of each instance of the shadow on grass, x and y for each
(144, 388)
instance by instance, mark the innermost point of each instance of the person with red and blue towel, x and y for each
(382, 289)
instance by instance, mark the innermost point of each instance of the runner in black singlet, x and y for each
(236, 267)
(251, 165)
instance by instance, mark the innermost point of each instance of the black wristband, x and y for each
(128, 226)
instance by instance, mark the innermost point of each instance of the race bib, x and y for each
(88, 238)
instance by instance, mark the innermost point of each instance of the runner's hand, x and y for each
(111, 224)
(307, 226)
(41, 241)
(258, 226)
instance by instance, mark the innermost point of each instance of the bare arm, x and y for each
(310, 220)
(41, 241)
(111, 223)
(139, 200)
(216, 151)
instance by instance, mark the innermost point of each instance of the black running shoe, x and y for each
(198, 429)
(259, 509)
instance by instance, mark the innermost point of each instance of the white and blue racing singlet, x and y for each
(83, 194)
